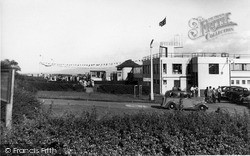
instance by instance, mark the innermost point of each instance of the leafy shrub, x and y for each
(25, 105)
(177, 133)
(55, 86)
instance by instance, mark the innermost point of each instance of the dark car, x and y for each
(182, 100)
(234, 93)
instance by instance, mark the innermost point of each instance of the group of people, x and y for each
(212, 95)
(194, 91)
(87, 83)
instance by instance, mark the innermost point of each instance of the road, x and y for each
(60, 106)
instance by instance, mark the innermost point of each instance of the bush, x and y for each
(25, 105)
(177, 133)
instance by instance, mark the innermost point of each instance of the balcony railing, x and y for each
(208, 54)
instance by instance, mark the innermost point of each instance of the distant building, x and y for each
(126, 70)
(98, 75)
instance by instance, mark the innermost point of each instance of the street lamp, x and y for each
(151, 78)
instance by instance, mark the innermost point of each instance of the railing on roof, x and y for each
(208, 54)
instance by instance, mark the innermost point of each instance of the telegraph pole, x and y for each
(151, 78)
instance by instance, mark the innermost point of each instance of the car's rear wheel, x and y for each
(202, 108)
(171, 105)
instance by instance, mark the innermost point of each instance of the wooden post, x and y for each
(9, 106)
(140, 90)
(135, 91)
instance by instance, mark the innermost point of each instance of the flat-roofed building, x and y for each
(183, 70)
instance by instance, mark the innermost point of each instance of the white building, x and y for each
(183, 70)
(126, 69)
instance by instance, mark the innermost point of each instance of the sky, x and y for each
(106, 31)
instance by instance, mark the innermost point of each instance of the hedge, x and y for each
(25, 105)
(121, 89)
(55, 86)
(176, 133)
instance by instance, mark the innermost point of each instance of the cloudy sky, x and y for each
(100, 31)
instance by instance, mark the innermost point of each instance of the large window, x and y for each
(213, 68)
(146, 69)
(177, 68)
(164, 68)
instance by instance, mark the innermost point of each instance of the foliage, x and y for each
(25, 105)
(176, 133)
(55, 86)
(9, 63)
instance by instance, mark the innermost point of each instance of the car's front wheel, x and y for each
(171, 105)
(202, 108)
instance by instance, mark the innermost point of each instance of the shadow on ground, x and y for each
(158, 107)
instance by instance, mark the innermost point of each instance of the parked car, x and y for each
(182, 100)
(234, 93)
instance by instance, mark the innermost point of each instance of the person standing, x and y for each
(219, 93)
(192, 91)
(92, 83)
(196, 91)
(214, 95)
(205, 94)
(209, 94)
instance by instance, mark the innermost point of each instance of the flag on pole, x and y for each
(163, 22)
(151, 43)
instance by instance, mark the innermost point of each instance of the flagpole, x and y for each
(151, 77)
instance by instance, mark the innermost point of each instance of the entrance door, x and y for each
(177, 83)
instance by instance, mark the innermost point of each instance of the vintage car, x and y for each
(233, 92)
(182, 100)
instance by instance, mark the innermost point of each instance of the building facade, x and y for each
(183, 70)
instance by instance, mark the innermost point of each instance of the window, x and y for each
(243, 81)
(164, 82)
(158, 81)
(157, 69)
(154, 68)
(165, 68)
(248, 81)
(213, 68)
(177, 68)
(237, 81)
(232, 81)
(241, 66)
